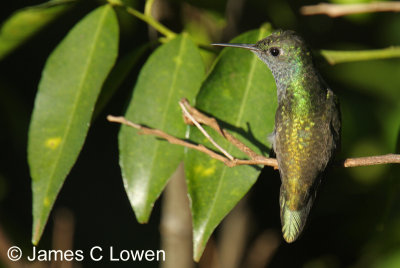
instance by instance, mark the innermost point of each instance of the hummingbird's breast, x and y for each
(301, 137)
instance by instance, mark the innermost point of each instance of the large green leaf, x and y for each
(26, 22)
(241, 93)
(70, 84)
(175, 70)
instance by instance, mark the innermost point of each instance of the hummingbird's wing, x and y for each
(335, 118)
(333, 111)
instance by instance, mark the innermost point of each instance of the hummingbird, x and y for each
(307, 124)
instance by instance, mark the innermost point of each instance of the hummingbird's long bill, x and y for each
(245, 46)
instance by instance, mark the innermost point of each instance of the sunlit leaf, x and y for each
(70, 84)
(240, 91)
(175, 70)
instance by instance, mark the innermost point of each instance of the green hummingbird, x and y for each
(307, 124)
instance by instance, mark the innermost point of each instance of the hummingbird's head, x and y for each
(283, 51)
(286, 55)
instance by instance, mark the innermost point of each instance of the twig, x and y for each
(188, 115)
(255, 159)
(371, 160)
(261, 160)
(211, 122)
(337, 10)
(165, 136)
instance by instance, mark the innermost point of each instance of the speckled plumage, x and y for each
(307, 124)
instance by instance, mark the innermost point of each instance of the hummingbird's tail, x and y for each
(293, 221)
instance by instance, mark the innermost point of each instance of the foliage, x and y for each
(92, 68)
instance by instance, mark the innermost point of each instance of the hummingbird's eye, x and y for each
(274, 51)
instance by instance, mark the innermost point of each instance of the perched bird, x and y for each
(307, 124)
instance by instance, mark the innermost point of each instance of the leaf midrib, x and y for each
(163, 121)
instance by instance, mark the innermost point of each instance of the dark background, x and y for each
(356, 218)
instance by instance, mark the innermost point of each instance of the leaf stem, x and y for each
(146, 17)
(147, 7)
(335, 57)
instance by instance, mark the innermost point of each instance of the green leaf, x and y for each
(175, 70)
(70, 84)
(240, 92)
(26, 22)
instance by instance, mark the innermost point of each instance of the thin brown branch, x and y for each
(212, 122)
(199, 147)
(337, 10)
(171, 139)
(192, 115)
(261, 160)
(371, 160)
(197, 124)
